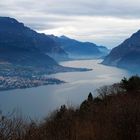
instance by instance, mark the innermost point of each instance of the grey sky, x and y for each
(105, 22)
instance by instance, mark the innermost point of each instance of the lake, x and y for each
(40, 101)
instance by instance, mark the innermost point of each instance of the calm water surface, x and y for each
(38, 102)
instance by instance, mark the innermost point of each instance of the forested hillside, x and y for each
(113, 115)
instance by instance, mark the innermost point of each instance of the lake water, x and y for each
(40, 101)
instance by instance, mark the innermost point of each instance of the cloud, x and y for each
(106, 22)
(101, 30)
(115, 8)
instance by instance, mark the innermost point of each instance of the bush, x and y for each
(131, 84)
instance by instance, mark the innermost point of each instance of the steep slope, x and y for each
(77, 49)
(20, 46)
(24, 52)
(127, 54)
(17, 45)
(15, 33)
(49, 46)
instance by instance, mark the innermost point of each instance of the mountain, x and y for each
(21, 47)
(24, 52)
(18, 45)
(127, 54)
(78, 50)
(14, 33)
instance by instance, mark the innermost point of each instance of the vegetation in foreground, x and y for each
(113, 115)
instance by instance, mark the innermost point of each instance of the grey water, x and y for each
(40, 101)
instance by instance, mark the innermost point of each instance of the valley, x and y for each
(26, 55)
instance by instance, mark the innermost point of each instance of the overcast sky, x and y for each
(105, 22)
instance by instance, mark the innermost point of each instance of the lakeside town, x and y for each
(16, 82)
(20, 77)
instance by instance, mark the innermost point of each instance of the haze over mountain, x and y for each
(23, 48)
(127, 54)
(19, 46)
(15, 37)
(81, 50)
(25, 35)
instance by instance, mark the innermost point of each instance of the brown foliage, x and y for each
(114, 115)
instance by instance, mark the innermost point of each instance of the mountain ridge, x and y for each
(127, 54)
(18, 47)
(25, 52)
(78, 49)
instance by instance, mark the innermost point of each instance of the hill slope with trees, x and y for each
(113, 115)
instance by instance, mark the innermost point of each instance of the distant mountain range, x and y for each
(126, 55)
(23, 47)
(19, 46)
(15, 36)
(80, 50)
(23, 52)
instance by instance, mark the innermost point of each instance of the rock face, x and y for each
(76, 49)
(126, 55)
